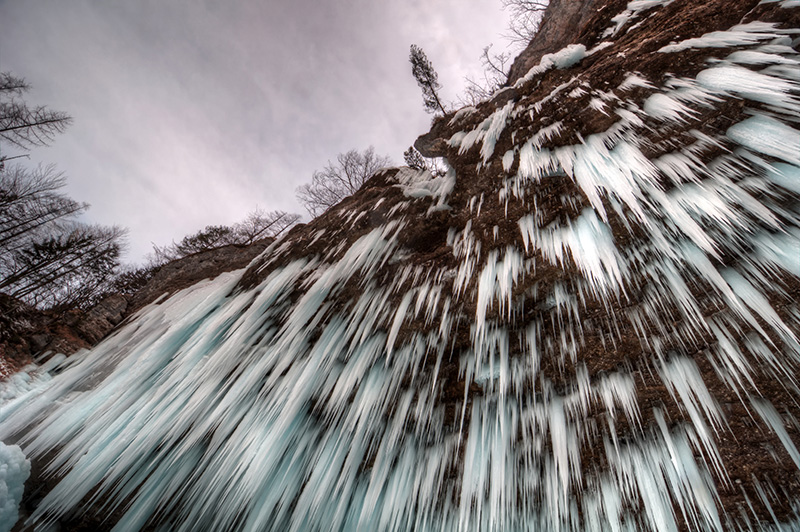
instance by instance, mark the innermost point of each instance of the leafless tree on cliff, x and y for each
(495, 75)
(526, 15)
(256, 226)
(341, 179)
(260, 224)
(427, 79)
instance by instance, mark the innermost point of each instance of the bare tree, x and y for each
(23, 126)
(47, 258)
(256, 226)
(495, 76)
(337, 181)
(427, 79)
(526, 15)
(260, 224)
(32, 205)
(63, 269)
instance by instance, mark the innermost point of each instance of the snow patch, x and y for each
(748, 84)
(565, 58)
(587, 240)
(663, 107)
(741, 35)
(764, 134)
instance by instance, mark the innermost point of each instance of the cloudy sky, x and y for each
(195, 112)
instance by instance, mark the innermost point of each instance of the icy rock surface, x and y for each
(590, 323)
(14, 471)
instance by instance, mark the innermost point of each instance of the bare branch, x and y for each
(337, 181)
(526, 16)
(13, 85)
(23, 126)
(256, 226)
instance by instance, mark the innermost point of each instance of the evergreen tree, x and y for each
(417, 161)
(427, 79)
(414, 159)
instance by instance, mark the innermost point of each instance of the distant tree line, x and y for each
(258, 225)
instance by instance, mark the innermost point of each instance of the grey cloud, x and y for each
(189, 113)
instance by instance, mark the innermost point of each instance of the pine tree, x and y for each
(427, 79)
(414, 159)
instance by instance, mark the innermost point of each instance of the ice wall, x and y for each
(566, 332)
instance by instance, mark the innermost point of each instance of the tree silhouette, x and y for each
(47, 257)
(526, 16)
(337, 181)
(256, 226)
(24, 126)
(427, 79)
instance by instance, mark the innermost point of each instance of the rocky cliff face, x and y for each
(182, 273)
(590, 323)
(563, 23)
(27, 333)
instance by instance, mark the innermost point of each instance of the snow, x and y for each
(755, 57)
(588, 241)
(567, 57)
(631, 12)
(488, 131)
(421, 184)
(508, 160)
(741, 35)
(766, 135)
(773, 419)
(786, 176)
(784, 3)
(748, 84)
(14, 471)
(634, 80)
(664, 107)
(462, 113)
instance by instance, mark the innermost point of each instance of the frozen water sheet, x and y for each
(573, 356)
(14, 471)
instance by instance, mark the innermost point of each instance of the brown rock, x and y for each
(562, 25)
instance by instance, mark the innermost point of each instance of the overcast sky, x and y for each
(195, 112)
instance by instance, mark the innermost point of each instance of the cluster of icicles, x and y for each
(226, 409)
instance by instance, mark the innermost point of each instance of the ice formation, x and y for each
(14, 471)
(576, 329)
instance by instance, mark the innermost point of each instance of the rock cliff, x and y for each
(27, 333)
